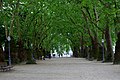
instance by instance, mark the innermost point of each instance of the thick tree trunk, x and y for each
(21, 51)
(90, 54)
(30, 59)
(95, 46)
(109, 54)
(117, 51)
(94, 50)
(117, 47)
(86, 52)
(75, 52)
(94, 40)
(100, 55)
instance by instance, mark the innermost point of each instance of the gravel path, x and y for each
(64, 69)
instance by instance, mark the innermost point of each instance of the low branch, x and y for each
(90, 18)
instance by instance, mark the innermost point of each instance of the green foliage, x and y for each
(51, 24)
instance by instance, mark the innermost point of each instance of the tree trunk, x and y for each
(1, 54)
(82, 47)
(95, 46)
(117, 29)
(75, 51)
(30, 59)
(21, 50)
(109, 53)
(100, 55)
(86, 52)
(117, 51)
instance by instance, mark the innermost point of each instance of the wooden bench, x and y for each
(4, 67)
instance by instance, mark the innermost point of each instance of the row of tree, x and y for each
(39, 26)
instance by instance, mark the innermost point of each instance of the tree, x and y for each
(39, 26)
(117, 51)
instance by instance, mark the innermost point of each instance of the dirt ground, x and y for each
(63, 69)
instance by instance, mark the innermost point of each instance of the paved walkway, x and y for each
(64, 69)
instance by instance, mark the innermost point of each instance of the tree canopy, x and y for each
(44, 25)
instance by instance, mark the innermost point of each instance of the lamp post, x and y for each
(8, 38)
(103, 59)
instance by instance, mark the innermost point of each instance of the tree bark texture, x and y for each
(75, 52)
(95, 47)
(117, 51)
(82, 47)
(109, 53)
(100, 55)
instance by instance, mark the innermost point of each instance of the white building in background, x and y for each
(71, 52)
(65, 54)
(54, 54)
(68, 54)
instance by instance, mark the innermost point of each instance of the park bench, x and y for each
(4, 67)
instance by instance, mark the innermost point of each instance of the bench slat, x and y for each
(4, 67)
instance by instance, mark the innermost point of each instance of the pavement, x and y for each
(63, 69)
